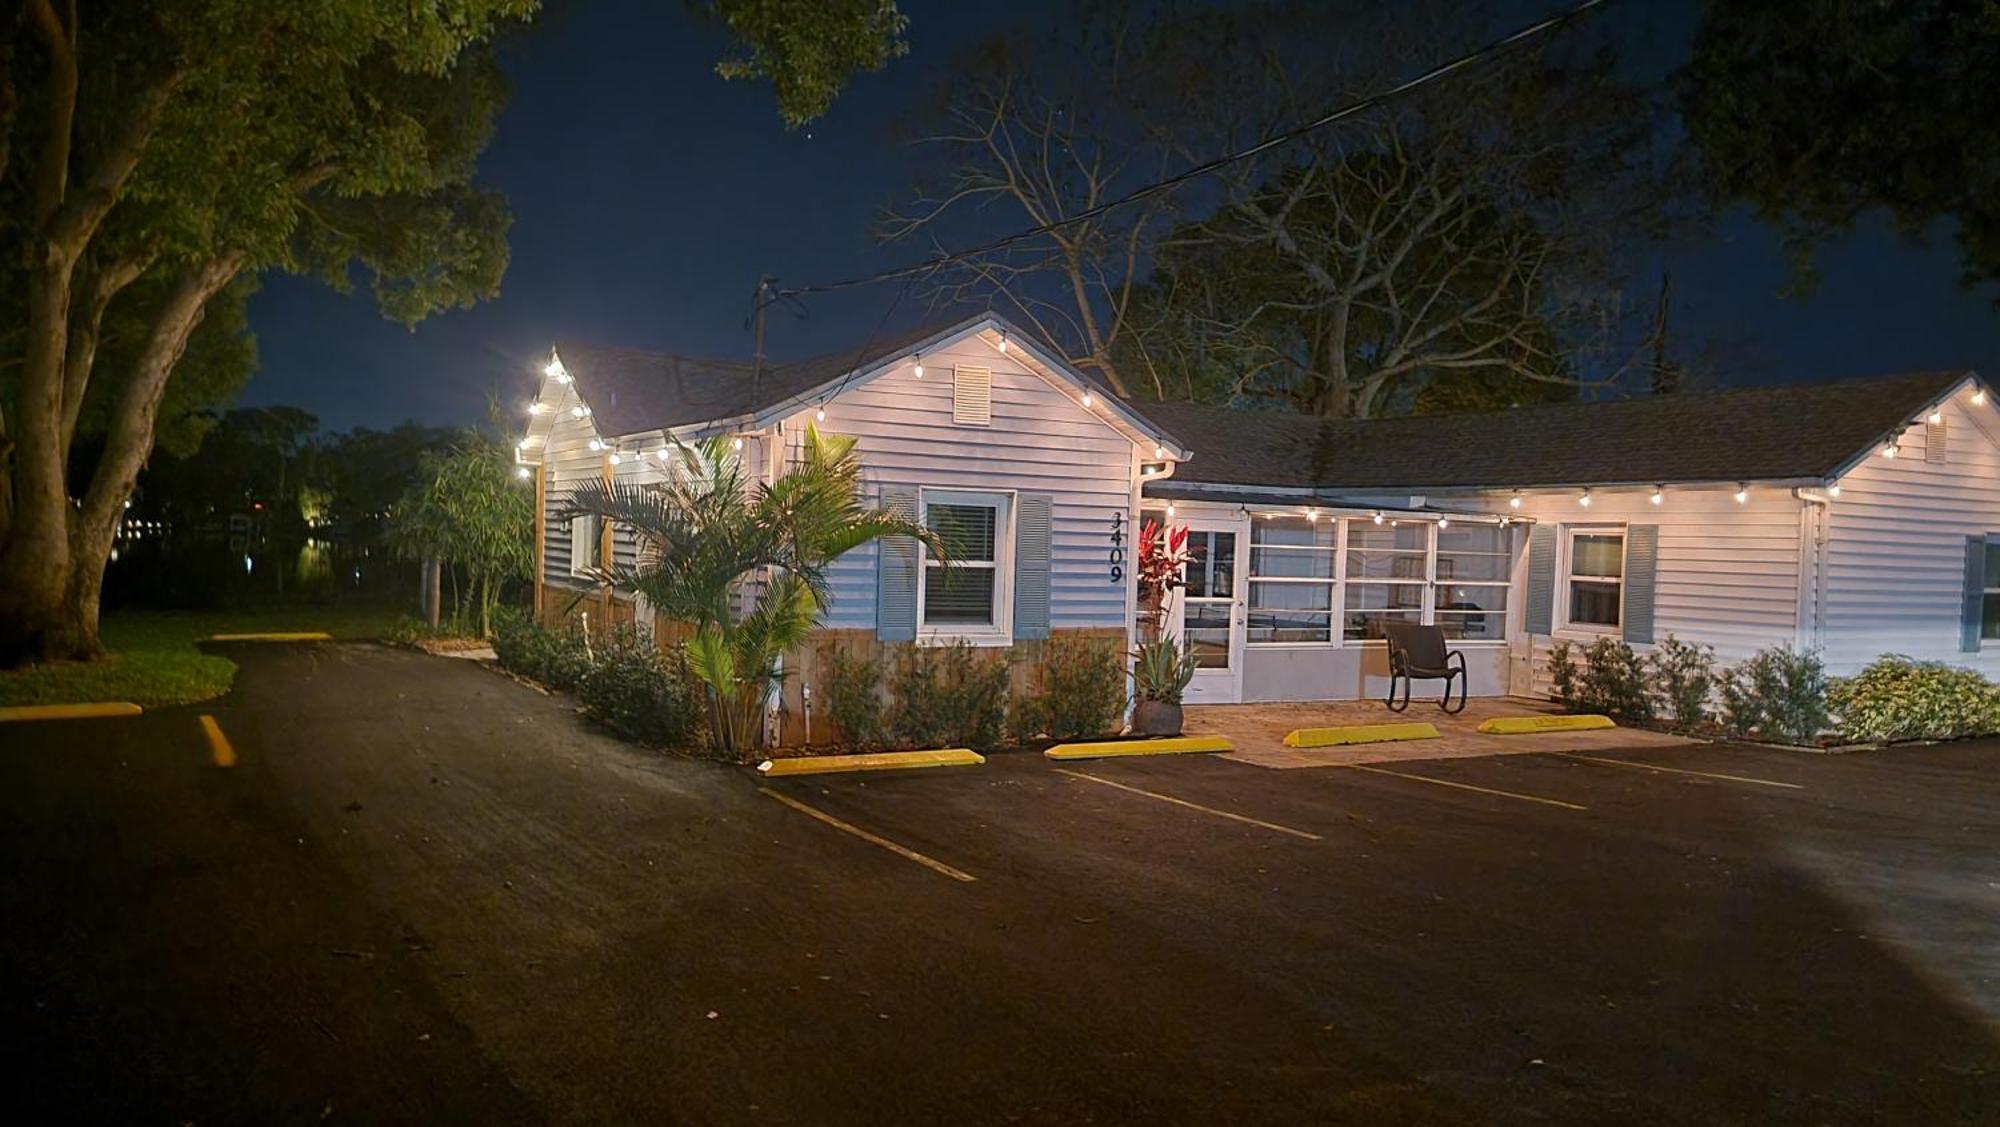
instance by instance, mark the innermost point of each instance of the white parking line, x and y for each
(1465, 786)
(1245, 819)
(846, 827)
(1681, 771)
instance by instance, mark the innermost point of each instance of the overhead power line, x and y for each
(1210, 166)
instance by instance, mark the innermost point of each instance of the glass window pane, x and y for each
(1472, 553)
(1386, 551)
(958, 596)
(1993, 565)
(1597, 553)
(1289, 626)
(1291, 563)
(1291, 596)
(1208, 634)
(967, 530)
(1211, 566)
(1594, 604)
(1989, 618)
(1471, 611)
(1291, 532)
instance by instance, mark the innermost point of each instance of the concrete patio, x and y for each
(1259, 730)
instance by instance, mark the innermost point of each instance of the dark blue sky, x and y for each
(649, 195)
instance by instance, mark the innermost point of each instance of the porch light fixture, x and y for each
(1514, 502)
(1742, 492)
(1584, 500)
(1935, 418)
(917, 365)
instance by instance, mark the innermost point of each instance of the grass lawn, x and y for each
(154, 660)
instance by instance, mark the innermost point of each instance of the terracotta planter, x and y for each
(1156, 718)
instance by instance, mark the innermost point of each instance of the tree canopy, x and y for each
(1815, 112)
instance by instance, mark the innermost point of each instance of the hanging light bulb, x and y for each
(538, 408)
(1889, 449)
(596, 446)
(1087, 399)
(820, 415)
(918, 365)
(1659, 495)
(661, 453)
(1312, 515)
(1742, 493)
(1159, 451)
(1170, 508)
(616, 457)
(1934, 418)
(523, 472)
(1978, 396)
(1514, 502)
(1444, 523)
(1833, 490)
(736, 443)
(1585, 499)
(1378, 516)
(1003, 340)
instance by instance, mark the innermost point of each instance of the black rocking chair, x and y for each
(1417, 653)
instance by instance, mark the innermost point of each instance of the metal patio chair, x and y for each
(1417, 653)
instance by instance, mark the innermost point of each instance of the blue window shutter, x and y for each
(896, 566)
(1541, 579)
(1975, 594)
(1642, 563)
(1032, 523)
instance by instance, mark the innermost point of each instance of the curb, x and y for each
(873, 761)
(1106, 749)
(69, 711)
(300, 636)
(1526, 725)
(1360, 734)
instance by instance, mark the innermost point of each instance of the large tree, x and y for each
(153, 155)
(1815, 112)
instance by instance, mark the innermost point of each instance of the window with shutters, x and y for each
(1989, 604)
(1594, 571)
(972, 396)
(971, 598)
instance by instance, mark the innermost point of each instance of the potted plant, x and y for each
(1161, 671)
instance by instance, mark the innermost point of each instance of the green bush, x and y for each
(854, 698)
(1611, 679)
(558, 659)
(1079, 690)
(1780, 695)
(1684, 678)
(631, 687)
(947, 697)
(1898, 698)
(1563, 676)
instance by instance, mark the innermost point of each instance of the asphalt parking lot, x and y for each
(419, 892)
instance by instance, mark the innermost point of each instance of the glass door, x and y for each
(1210, 612)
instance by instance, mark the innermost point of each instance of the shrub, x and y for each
(854, 698)
(946, 697)
(558, 659)
(1684, 677)
(1897, 698)
(1562, 675)
(631, 687)
(1779, 694)
(1079, 690)
(1612, 680)
(1162, 670)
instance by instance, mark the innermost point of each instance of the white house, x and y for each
(1848, 517)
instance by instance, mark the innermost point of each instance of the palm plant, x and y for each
(741, 562)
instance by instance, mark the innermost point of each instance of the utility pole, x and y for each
(759, 298)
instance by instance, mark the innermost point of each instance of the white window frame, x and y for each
(1001, 632)
(1506, 614)
(1425, 582)
(1566, 577)
(581, 564)
(1338, 554)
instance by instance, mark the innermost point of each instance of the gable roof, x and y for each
(1800, 431)
(633, 392)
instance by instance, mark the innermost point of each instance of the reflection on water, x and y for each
(163, 569)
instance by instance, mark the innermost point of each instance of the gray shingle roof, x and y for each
(631, 392)
(1797, 431)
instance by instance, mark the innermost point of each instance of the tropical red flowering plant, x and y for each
(1163, 555)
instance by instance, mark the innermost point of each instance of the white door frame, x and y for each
(1219, 686)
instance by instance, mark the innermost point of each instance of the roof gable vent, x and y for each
(1935, 441)
(972, 396)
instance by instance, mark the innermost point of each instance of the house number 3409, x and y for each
(1117, 554)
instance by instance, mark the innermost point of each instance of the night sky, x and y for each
(649, 196)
